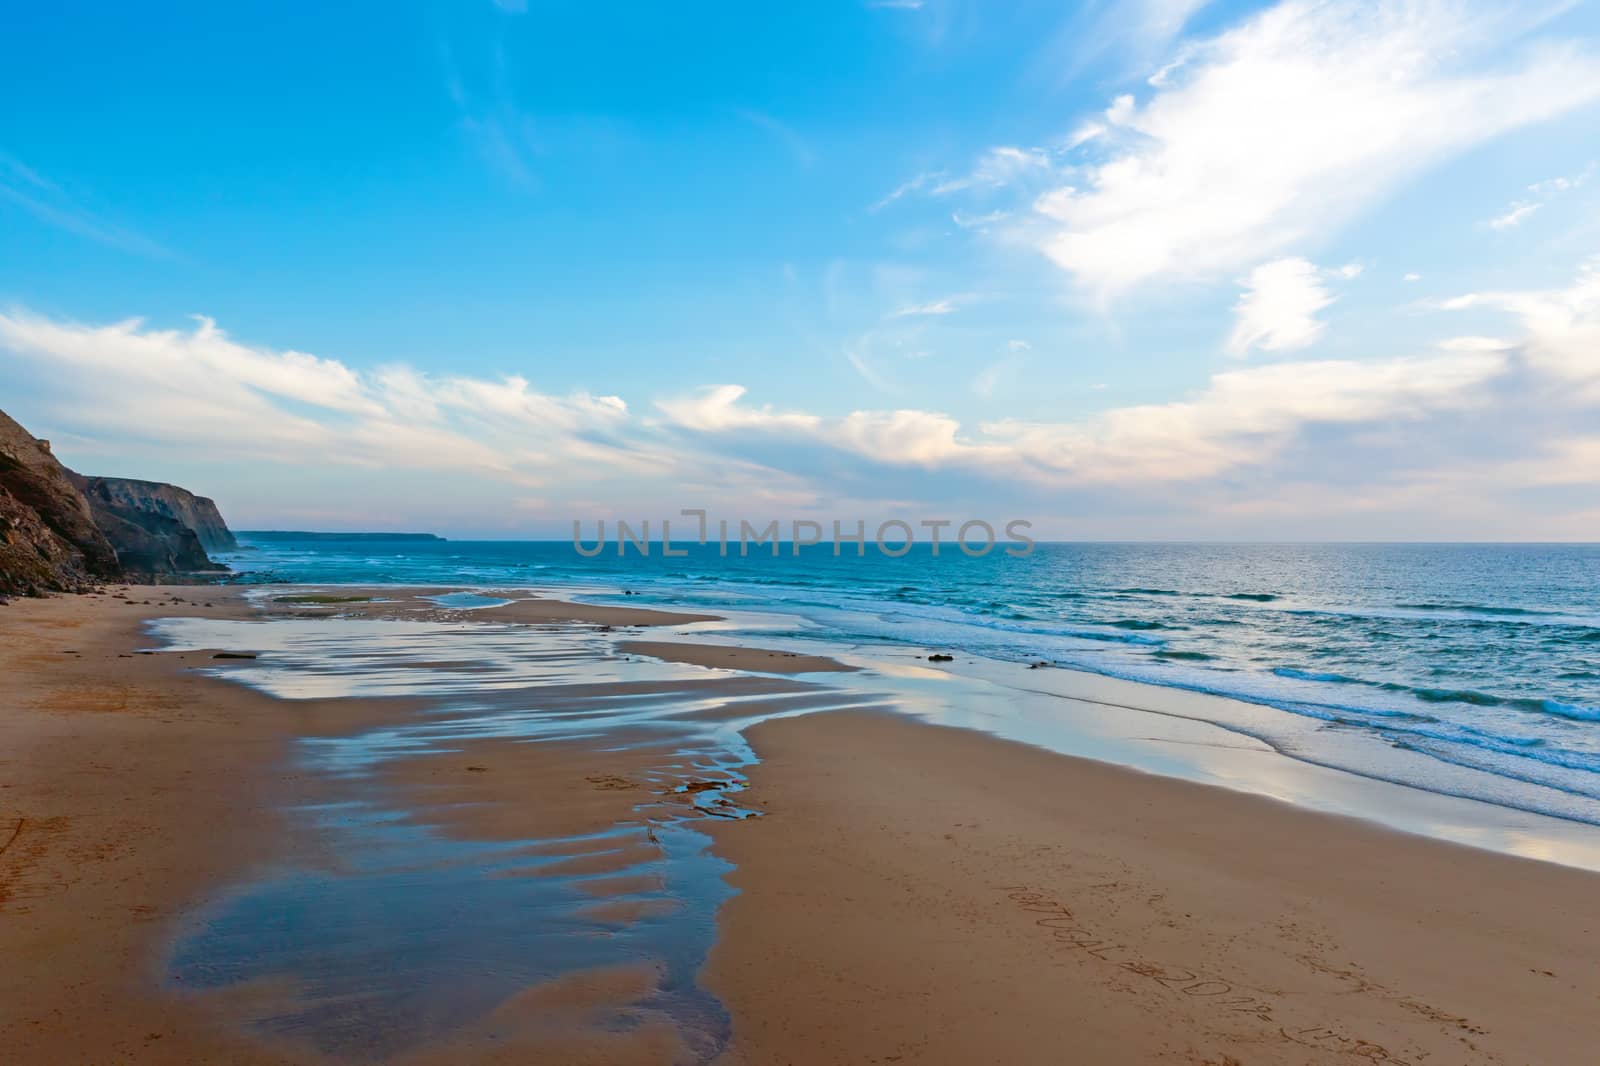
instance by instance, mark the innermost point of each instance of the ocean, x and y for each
(1477, 667)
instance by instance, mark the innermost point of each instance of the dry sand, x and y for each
(926, 895)
(915, 894)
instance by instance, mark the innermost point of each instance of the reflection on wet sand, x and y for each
(532, 825)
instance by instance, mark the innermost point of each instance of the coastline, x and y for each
(886, 839)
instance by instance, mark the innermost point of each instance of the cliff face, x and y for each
(61, 532)
(34, 558)
(48, 536)
(198, 513)
(148, 542)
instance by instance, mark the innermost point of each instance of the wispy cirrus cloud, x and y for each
(996, 168)
(945, 306)
(1539, 193)
(1514, 215)
(782, 132)
(1132, 34)
(27, 189)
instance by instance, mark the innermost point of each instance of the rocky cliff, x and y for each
(198, 513)
(62, 532)
(149, 542)
(48, 536)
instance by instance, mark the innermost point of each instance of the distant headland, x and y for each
(295, 534)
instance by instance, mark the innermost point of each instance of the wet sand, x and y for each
(523, 608)
(912, 894)
(728, 657)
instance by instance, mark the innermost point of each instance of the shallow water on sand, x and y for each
(409, 922)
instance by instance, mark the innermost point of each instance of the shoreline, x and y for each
(881, 837)
(1200, 737)
(1320, 740)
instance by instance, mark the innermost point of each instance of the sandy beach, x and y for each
(909, 893)
(936, 896)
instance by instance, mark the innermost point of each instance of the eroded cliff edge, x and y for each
(62, 532)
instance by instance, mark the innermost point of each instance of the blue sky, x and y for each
(1163, 268)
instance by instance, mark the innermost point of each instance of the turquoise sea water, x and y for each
(1477, 657)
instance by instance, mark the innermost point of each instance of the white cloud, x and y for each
(1278, 310)
(1246, 417)
(1242, 418)
(1252, 418)
(978, 221)
(906, 188)
(917, 438)
(1542, 192)
(1561, 184)
(1412, 276)
(1288, 125)
(202, 389)
(1132, 33)
(1514, 215)
(1562, 326)
(996, 168)
(1121, 111)
(716, 409)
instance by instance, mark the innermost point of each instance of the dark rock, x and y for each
(62, 532)
(48, 538)
(198, 513)
(147, 523)
(151, 544)
(940, 657)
